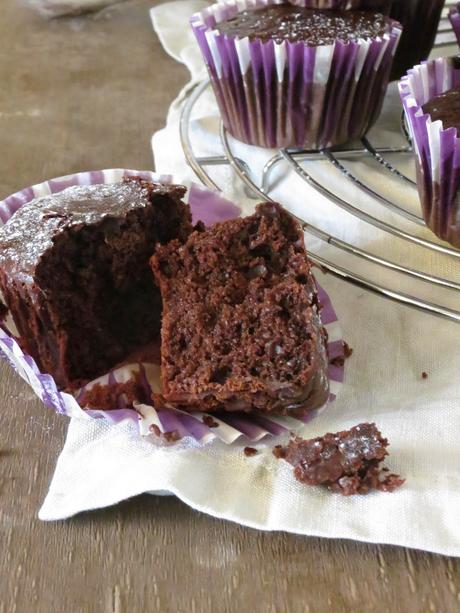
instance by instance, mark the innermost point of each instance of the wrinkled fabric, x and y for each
(392, 346)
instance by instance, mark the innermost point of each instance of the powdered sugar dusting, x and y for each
(312, 26)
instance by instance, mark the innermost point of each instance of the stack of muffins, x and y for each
(312, 74)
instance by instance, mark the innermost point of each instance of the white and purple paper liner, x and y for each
(209, 207)
(292, 94)
(437, 149)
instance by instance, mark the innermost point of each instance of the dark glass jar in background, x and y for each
(420, 20)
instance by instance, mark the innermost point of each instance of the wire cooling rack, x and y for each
(300, 162)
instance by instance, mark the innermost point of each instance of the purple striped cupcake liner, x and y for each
(292, 94)
(437, 149)
(454, 17)
(209, 207)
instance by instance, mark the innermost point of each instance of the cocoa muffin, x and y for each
(241, 328)
(290, 76)
(74, 273)
(430, 94)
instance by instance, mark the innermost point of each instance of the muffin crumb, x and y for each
(346, 462)
(172, 436)
(154, 429)
(348, 351)
(210, 422)
(279, 452)
(169, 437)
(339, 360)
(114, 396)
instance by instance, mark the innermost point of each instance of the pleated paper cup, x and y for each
(293, 94)
(209, 207)
(437, 149)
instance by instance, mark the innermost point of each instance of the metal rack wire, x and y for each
(298, 161)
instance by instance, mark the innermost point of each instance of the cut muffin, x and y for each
(241, 329)
(74, 273)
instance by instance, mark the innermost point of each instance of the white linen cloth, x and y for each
(102, 464)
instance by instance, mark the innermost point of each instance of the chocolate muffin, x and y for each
(241, 328)
(74, 273)
(290, 76)
(431, 97)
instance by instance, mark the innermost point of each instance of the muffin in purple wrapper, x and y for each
(288, 76)
(454, 17)
(430, 94)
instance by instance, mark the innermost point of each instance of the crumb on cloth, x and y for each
(346, 462)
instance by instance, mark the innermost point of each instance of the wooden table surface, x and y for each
(87, 93)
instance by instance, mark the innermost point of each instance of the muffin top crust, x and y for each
(446, 107)
(314, 27)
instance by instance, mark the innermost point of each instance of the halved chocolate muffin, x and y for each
(241, 328)
(74, 273)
